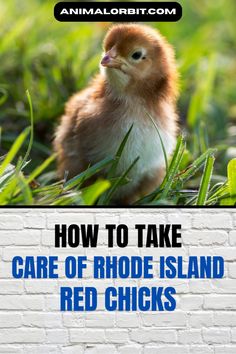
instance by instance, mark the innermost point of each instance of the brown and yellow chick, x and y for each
(138, 79)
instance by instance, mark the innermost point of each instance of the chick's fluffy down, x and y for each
(126, 92)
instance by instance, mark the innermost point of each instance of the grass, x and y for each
(52, 60)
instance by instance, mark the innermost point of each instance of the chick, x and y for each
(138, 79)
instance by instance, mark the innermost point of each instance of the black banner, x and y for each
(117, 11)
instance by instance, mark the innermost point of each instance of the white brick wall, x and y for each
(204, 321)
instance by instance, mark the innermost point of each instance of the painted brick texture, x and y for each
(204, 321)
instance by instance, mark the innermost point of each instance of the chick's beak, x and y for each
(110, 59)
(106, 60)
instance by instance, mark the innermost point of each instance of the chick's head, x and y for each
(137, 57)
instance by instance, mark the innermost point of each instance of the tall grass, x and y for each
(19, 189)
(54, 60)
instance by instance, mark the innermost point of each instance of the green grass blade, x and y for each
(34, 174)
(149, 198)
(91, 171)
(232, 178)
(92, 193)
(5, 194)
(216, 192)
(161, 141)
(112, 171)
(167, 182)
(195, 166)
(219, 195)
(173, 169)
(10, 182)
(180, 145)
(205, 181)
(119, 182)
(25, 190)
(31, 129)
(119, 153)
(14, 150)
(40, 168)
(8, 173)
(231, 170)
(68, 199)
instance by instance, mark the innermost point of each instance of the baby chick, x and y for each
(137, 80)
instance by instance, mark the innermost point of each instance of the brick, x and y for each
(11, 222)
(57, 336)
(10, 320)
(214, 336)
(100, 349)
(192, 336)
(48, 237)
(73, 319)
(41, 286)
(26, 237)
(170, 349)
(224, 319)
(21, 302)
(204, 237)
(21, 335)
(232, 270)
(5, 270)
(225, 349)
(191, 302)
(233, 335)
(42, 320)
(201, 349)
(11, 286)
(52, 302)
(73, 349)
(127, 320)
(228, 253)
(41, 349)
(153, 335)
(7, 237)
(35, 221)
(127, 349)
(212, 221)
(201, 251)
(87, 336)
(100, 320)
(70, 218)
(200, 286)
(219, 302)
(117, 336)
(232, 238)
(175, 319)
(7, 349)
(221, 286)
(200, 319)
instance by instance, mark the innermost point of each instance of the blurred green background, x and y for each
(53, 60)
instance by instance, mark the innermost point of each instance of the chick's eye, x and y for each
(136, 55)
